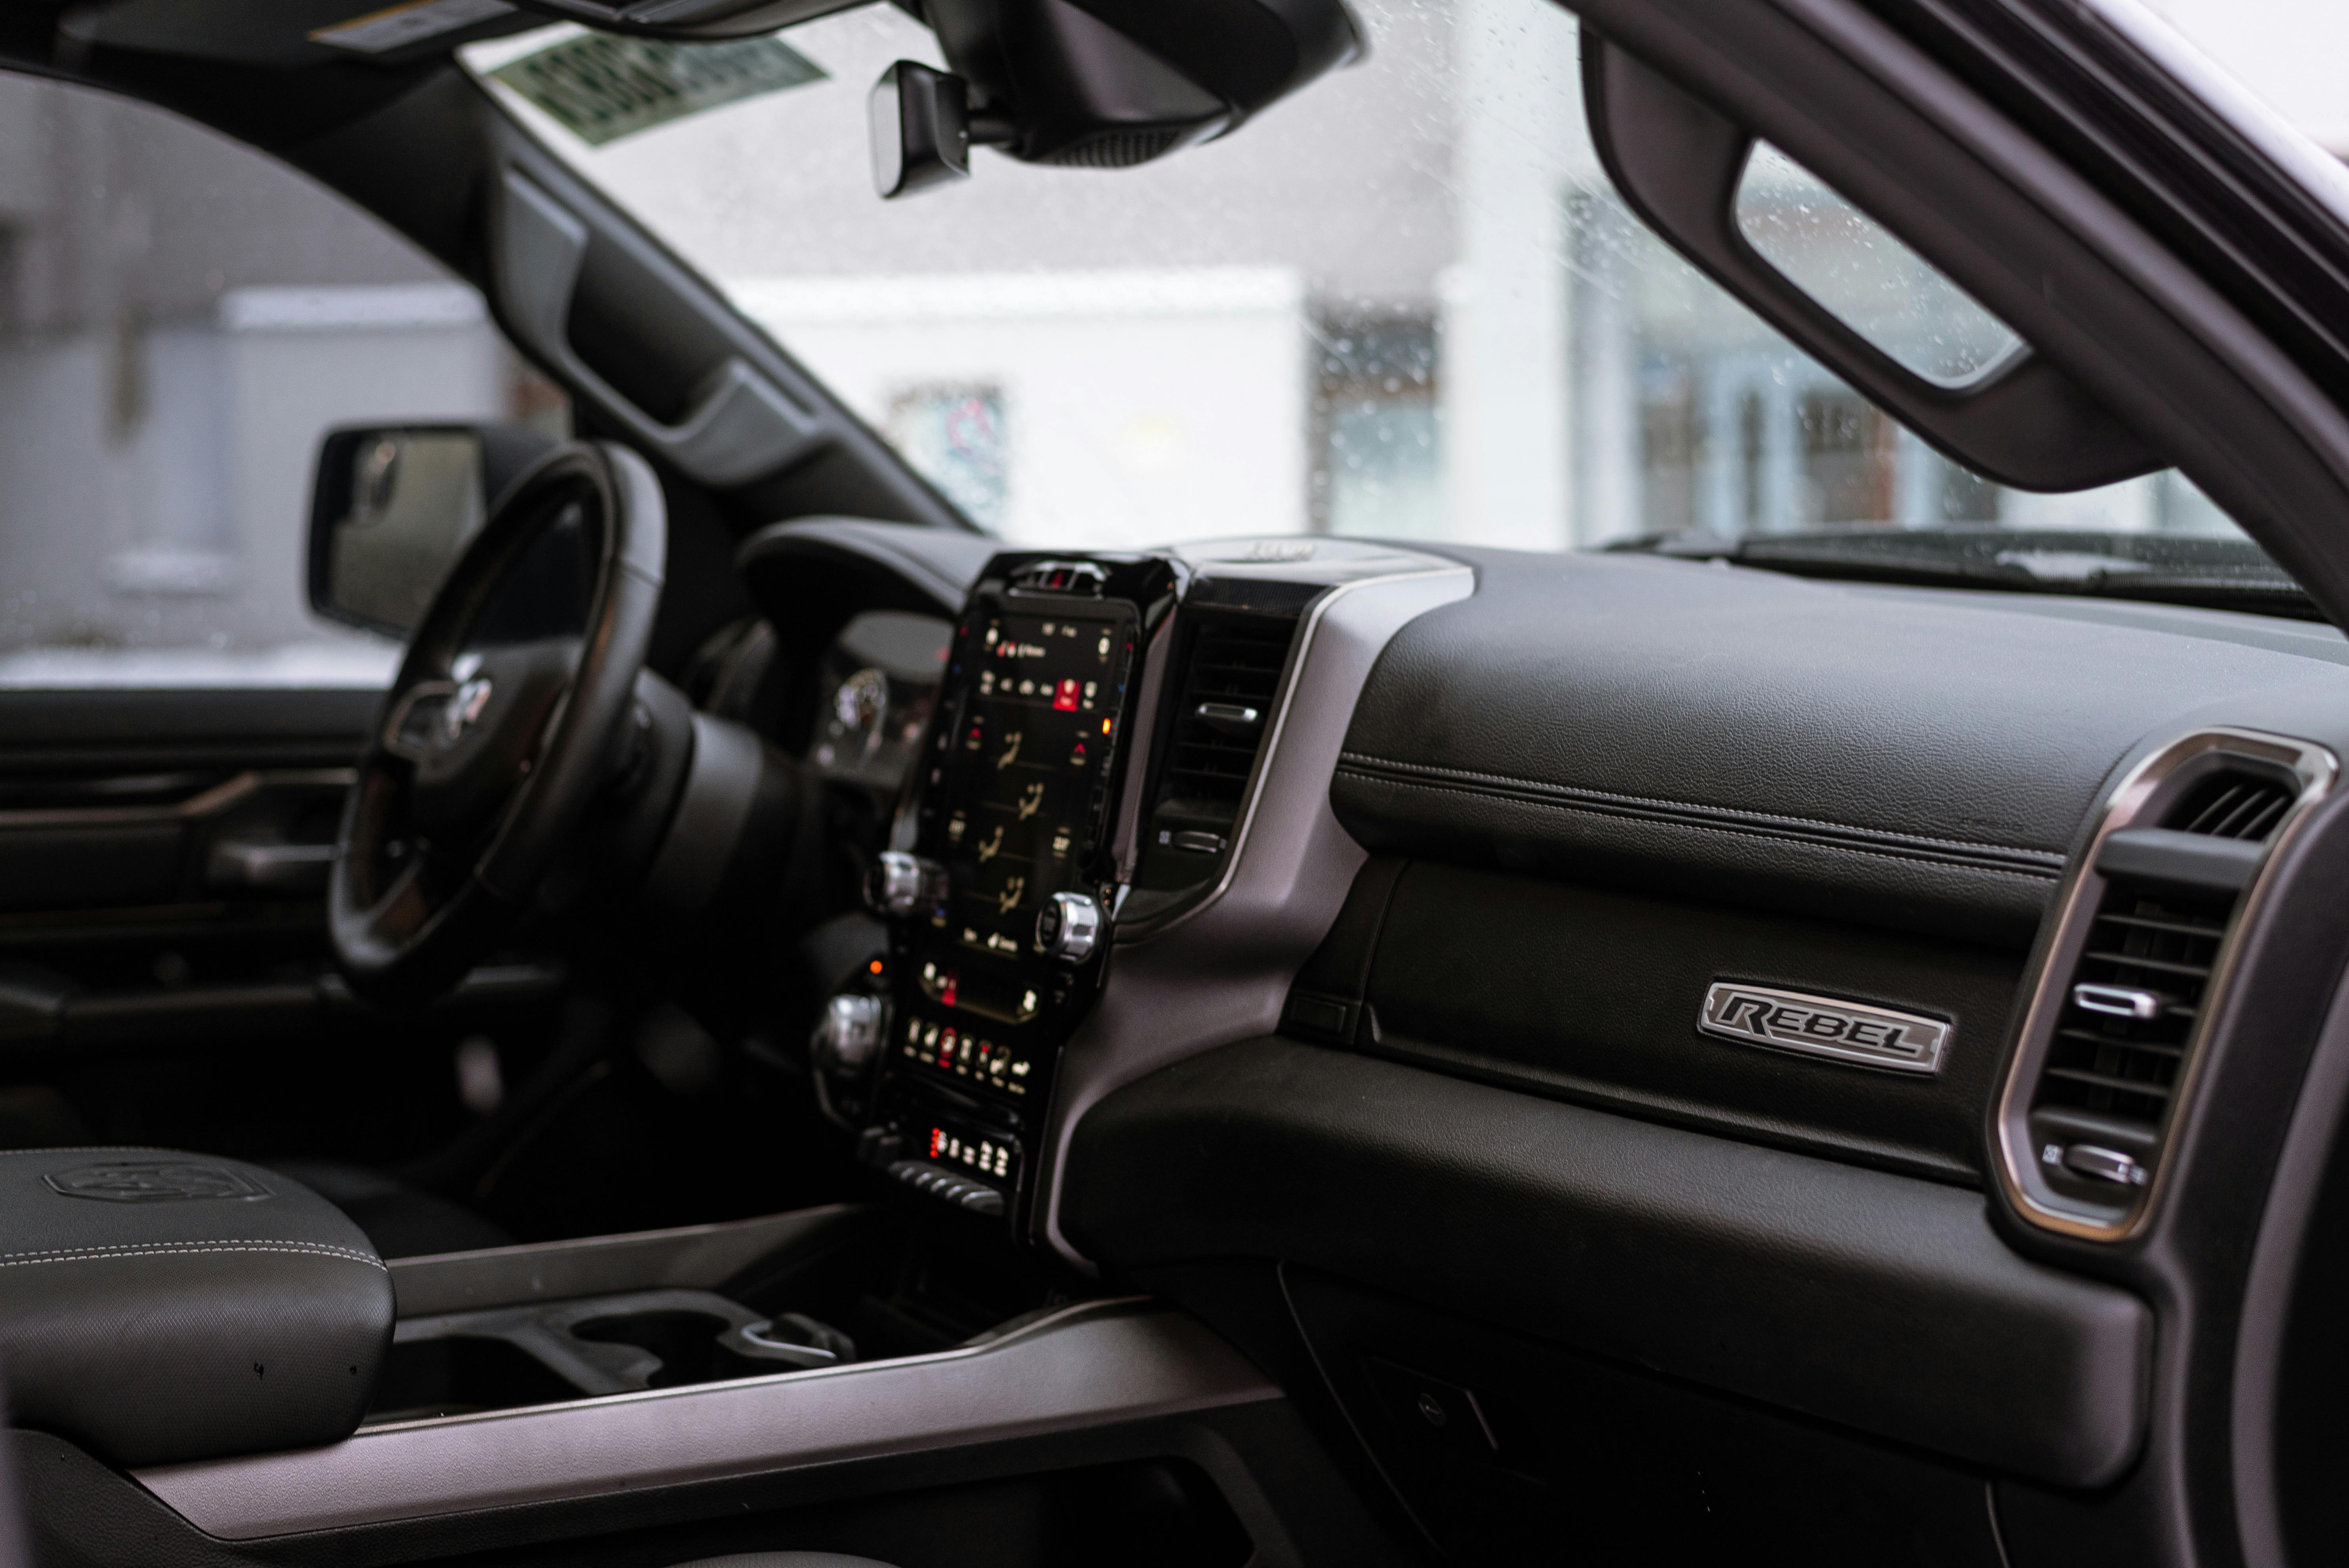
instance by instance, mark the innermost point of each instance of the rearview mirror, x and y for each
(1094, 83)
(392, 506)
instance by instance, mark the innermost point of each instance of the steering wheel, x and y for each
(507, 716)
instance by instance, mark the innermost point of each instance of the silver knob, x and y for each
(848, 1035)
(1068, 926)
(901, 884)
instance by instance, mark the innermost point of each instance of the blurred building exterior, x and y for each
(1405, 304)
(180, 319)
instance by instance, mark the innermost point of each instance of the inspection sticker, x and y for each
(600, 87)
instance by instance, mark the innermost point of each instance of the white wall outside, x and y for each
(156, 491)
(1141, 407)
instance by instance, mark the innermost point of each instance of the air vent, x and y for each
(2233, 805)
(1226, 679)
(2109, 1042)
(2129, 1012)
(1226, 704)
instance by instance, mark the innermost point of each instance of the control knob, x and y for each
(901, 884)
(1068, 926)
(848, 1035)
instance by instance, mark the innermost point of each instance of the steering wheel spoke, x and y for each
(515, 687)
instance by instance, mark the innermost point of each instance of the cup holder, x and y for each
(683, 1344)
(608, 1344)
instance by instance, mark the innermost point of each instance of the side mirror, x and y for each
(391, 506)
(1094, 83)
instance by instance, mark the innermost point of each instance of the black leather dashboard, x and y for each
(1593, 790)
(1589, 995)
(1907, 757)
(1873, 1300)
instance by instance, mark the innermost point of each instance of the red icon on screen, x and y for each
(1064, 697)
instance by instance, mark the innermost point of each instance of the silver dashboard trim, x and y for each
(2146, 790)
(1219, 970)
(1093, 1364)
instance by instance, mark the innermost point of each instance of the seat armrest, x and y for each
(157, 1306)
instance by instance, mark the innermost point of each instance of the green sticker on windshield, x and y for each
(601, 87)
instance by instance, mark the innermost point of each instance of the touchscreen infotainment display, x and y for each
(1029, 763)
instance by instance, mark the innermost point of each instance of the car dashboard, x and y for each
(1860, 1051)
(1510, 951)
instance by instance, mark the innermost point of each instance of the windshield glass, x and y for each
(1406, 302)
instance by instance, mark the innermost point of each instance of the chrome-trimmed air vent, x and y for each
(1226, 674)
(2143, 948)
(1229, 680)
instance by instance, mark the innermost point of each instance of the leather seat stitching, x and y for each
(2049, 856)
(1887, 853)
(170, 1248)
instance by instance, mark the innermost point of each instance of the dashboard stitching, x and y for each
(1371, 766)
(174, 1249)
(1888, 852)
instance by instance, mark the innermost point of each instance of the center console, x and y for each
(1002, 890)
(1106, 732)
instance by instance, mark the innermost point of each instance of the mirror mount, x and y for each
(924, 127)
(1094, 84)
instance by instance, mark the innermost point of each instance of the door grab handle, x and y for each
(742, 425)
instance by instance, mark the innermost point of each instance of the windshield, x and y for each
(1405, 304)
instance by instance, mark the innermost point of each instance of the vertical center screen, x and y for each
(1031, 762)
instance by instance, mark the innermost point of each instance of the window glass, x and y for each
(1405, 303)
(1855, 267)
(180, 320)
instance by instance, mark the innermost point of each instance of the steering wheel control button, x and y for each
(418, 719)
(849, 1035)
(902, 885)
(1069, 926)
(2104, 1165)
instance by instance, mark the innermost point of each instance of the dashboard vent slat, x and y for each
(2233, 805)
(2140, 961)
(2126, 1069)
(2100, 1041)
(1235, 663)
